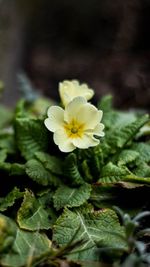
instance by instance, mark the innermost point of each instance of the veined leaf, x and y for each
(114, 174)
(91, 227)
(144, 152)
(71, 170)
(7, 233)
(71, 197)
(31, 215)
(50, 163)
(31, 136)
(25, 248)
(142, 170)
(9, 200)
(118, 137)
(37, 172)
(111, 169)
(127, 156)
(13, 168)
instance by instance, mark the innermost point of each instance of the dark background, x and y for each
(103, 43)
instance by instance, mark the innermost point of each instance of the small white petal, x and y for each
(89, 115)
(55, 118)
(68, 90)
(73, 107)
(61, 139)
(98, 130)
(85, 141)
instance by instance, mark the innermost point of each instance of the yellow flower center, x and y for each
(74, 129)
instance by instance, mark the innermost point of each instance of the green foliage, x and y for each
(118, 138)
(71, 197)
(71, 170)
(31, 136)
(32, 215)
(51, 163)
(25, 249)
(9, 200)
(6, 117)
(93, 228)
(38, 173)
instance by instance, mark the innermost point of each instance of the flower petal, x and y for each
(98, 130)
(61, 139)
(55, 118)
(68, 90)
(89, 115)
(85, 142)
(73, 107)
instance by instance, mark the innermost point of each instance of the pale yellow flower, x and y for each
(68, 90)
(76, 126)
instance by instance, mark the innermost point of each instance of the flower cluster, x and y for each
(78, 124)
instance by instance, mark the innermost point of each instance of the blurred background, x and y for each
(103, 43)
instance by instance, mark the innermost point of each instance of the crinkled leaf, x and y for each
(92, 228)
(9, 200)
(71, 197)
(127, 156)
(143, 170)
(144, 152)
(118, 137)
(37, 172)
(31, 136)
(111, 169)
(46, 200)
(32, 215)
(50, 163)
(13, 168)
(71, 170)
(26, 247)
(113, 174)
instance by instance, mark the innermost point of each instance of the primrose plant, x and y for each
(78, 124)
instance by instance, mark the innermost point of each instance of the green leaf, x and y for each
(114, 174)
(25, 248)
(91, 227)
(13, 168)
(7, 142)
(110, 170)
(9, 200)
(31, 215)
(71, 197)
(3, 155)
(113, 118)
(144, 152)
(71, 170)
(143, 170)
(117, 138)
(127, 156)
(31, 136)
(105, 103)
(37, 172)
(103, 196)
(50, 163)
(6, 116)
(7, 233)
